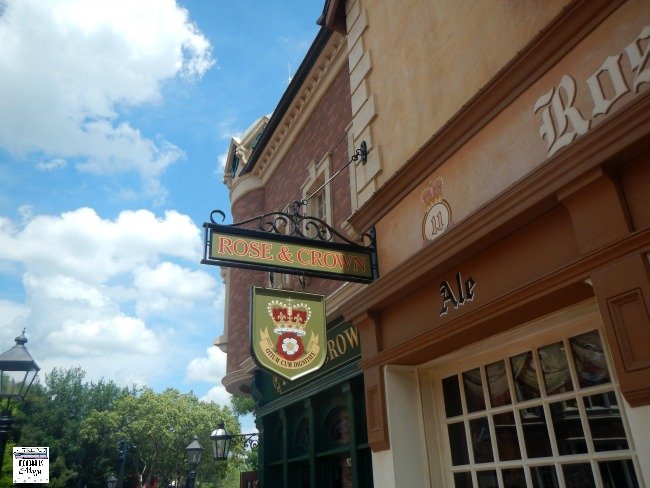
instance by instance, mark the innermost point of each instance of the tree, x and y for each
(83, 422)
(52, 415)
(242, 405)
(157, 427)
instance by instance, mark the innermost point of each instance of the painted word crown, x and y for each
(289, 317)
(432, 193)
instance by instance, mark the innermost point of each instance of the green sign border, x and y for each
(272, 387)
(265, 251)
(259, 319)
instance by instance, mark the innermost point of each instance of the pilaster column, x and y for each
(621, 279)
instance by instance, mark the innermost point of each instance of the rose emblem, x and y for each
(289, 346)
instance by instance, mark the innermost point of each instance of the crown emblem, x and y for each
(432, 193)
(289, 317)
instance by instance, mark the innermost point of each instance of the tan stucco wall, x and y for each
(447, 50)
(510, 146)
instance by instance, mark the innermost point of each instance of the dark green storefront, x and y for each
(313, 430)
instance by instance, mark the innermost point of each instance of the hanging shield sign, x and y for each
(288, 331)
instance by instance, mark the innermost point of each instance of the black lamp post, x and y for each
(194, 451)
(111, 482)
(123, 448)
(17, 372)
(221, 441)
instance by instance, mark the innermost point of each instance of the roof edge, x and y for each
(287, 98)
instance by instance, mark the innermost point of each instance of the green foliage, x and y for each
(83, 422)
(52, 416)
(157, 428)
(242, 405)
(5, 479)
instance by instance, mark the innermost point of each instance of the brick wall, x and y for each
(323, 133)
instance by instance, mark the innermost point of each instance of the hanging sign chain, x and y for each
(361, 153)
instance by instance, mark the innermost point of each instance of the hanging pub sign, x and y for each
(292, 253)
(343, 350)
(288, 331)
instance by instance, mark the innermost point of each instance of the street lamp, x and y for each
(111, 482)
(221, 441)
(194, 451)
(17, 373)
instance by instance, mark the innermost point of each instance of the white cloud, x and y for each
(10, 313)
(26, 212)
(53, 164)
(217, 394)
(80, 243)
(68, 66)
(170, 287)
(222, 158)
(208, 369)
(128, 335)
(91, 286)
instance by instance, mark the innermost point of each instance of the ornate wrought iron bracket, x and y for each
(297, 225)
(292, 242)
(249, 441)
(361, 153)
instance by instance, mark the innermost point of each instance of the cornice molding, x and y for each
(243, 185)
(344, 293)
(572, 274)
(545, 50)
(616, 138)
(238, 382)
(312, 90)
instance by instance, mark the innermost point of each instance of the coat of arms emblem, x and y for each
(288, 336)
(438, 215)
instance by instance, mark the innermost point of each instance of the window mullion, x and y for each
(285, 446)
(312, 440)
(468, 433)
(347, 391)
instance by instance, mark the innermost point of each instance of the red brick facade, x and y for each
(325, 132)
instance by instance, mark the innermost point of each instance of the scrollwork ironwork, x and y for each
(295, 224)
(249, 441)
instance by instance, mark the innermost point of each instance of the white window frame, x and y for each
(551, 329)
(282, 281)
(317, 175)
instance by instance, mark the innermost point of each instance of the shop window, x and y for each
(274, 449)
(545, 416)
(337, 428)
(302, 437)
(338, 450)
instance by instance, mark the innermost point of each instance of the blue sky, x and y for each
(115, 117)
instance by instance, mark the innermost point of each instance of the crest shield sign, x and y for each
(288, 332)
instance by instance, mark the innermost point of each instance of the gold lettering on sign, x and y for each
(562, 122)
(339, 345)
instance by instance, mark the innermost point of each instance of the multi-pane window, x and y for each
(547, 416)
(319, 205)
(319, 198)
(282, 226)
(334, 454)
